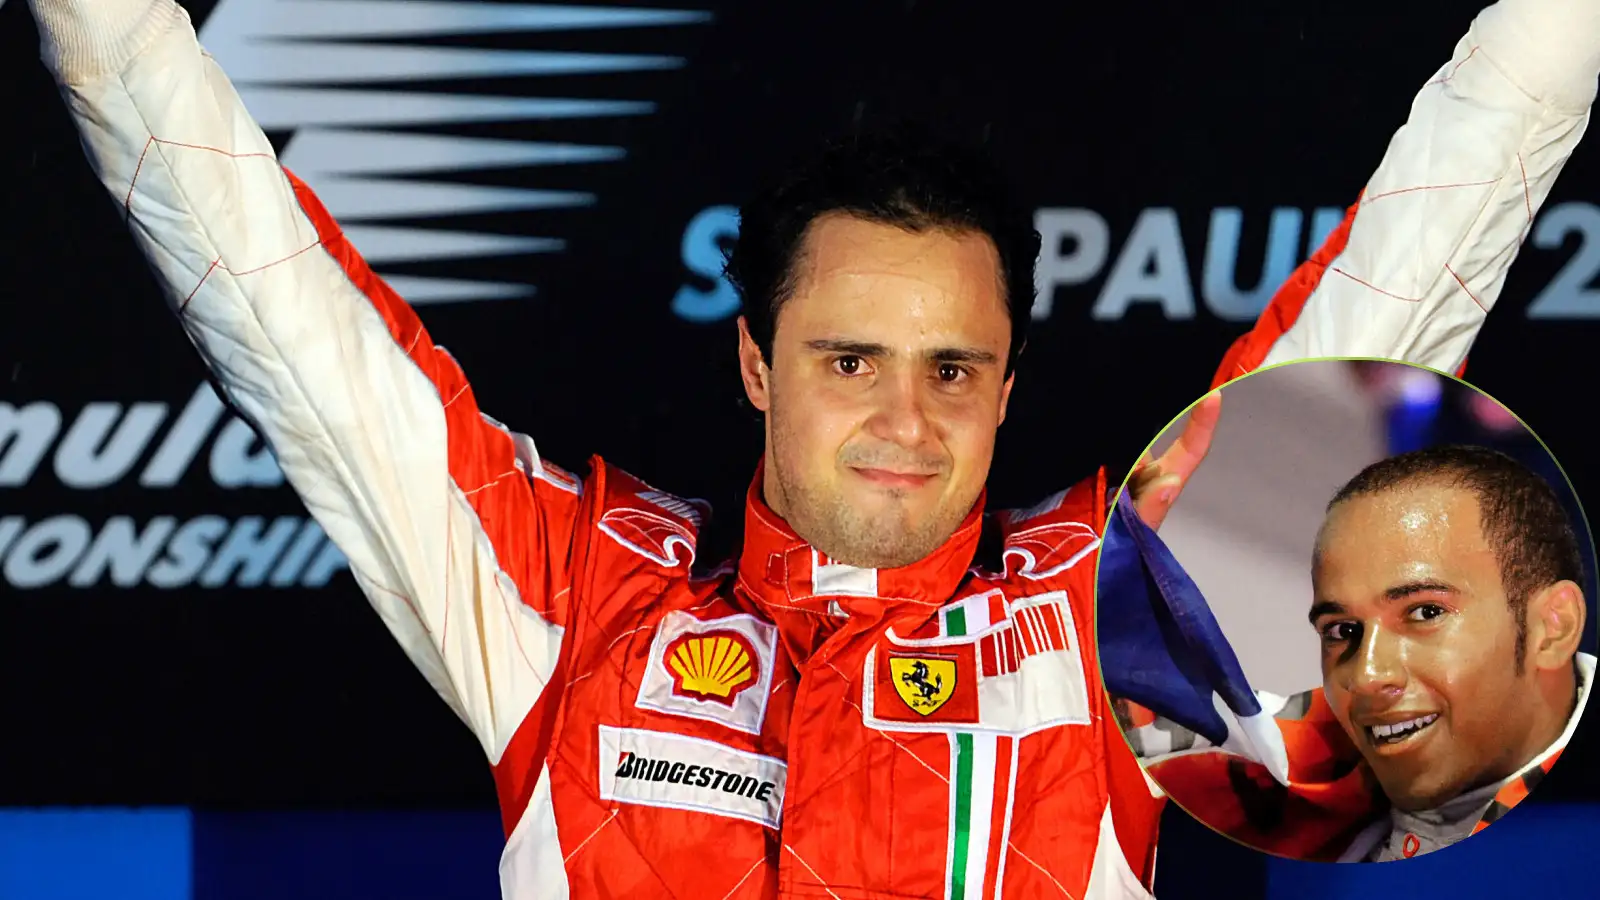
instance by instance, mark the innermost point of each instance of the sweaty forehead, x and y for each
(1423, 530)
(870, 276)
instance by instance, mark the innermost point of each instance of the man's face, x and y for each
(886, 386)
(1419, 643)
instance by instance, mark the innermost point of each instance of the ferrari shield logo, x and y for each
(923, 682)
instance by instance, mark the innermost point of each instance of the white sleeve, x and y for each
(1443, 217)
(454, 529)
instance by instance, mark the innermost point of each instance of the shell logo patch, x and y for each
(715, 666)
(716, 670)
(925, 683)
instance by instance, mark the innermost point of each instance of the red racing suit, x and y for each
(786, 727)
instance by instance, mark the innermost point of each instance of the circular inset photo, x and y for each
(1346, 611)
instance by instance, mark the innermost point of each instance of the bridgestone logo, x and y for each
(139, 450)
(677, 772)
(659, 768)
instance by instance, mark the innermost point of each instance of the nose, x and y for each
(901, 416)
(1378, 670)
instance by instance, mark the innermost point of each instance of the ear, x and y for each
(1556, 616)
(753, 369)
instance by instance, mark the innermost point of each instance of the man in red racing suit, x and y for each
(791, 725)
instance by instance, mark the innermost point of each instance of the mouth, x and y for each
(1394, 735)
(887, 478)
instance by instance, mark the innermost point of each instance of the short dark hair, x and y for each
(902, 175)
(1519, 512)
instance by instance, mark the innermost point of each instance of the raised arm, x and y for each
(1420, 260)
(453, 528)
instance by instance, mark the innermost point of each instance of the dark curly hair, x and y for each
(1518, 511)
(901, 175)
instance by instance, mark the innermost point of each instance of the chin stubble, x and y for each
(838, 529)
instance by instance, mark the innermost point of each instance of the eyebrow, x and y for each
(1324, 608)
(1398, 592)
(879, 351)
(1420, 586)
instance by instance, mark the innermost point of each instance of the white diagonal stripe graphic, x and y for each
(312, 67)
(286, 107)
(380, 244)
(378, 18)
(332, 151)
(422, 291)
(374, 198)
(349, 64)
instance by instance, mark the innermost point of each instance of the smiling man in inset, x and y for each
(1447, 597)
(1448, 604)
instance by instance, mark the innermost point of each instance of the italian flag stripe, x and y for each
(972, 767)
(961, 816)
(1005, 781)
